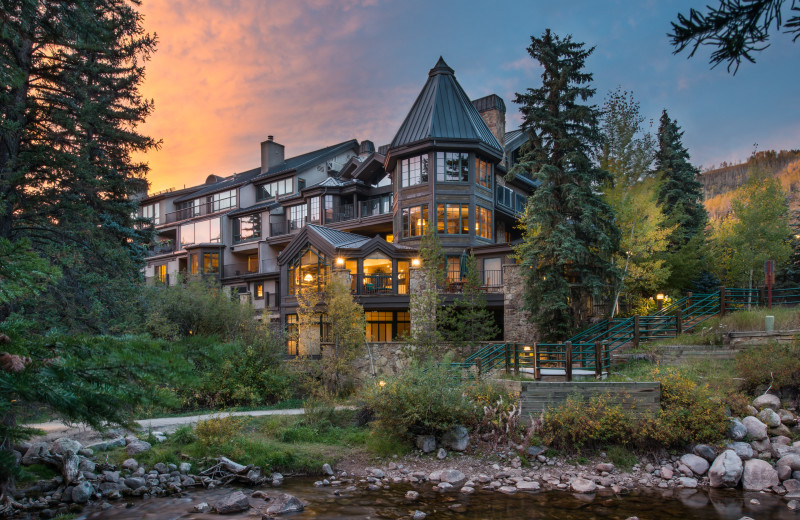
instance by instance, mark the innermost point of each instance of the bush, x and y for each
(216, 431)
(595, 422)
(426, 399)
(774, 364)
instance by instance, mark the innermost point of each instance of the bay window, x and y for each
(452, 167)
(413, 171)
(415, 220)
(452, 219)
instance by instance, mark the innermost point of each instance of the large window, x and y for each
(314, 215)
(308, 270)
(414, 171)
(511, 199)
(271, 189)
(328, 208)
(292, 333)
(452, 167)
(161, 273)
(152, 212)
(483, 173)
(203, 232)
(211, 263)
(415, 220)
(247, 228)
(222, 200)
(387, 326)
(452, 219)
(483, 222)
(297, 217)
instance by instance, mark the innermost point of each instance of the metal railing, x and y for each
(277, 229)
(376, 284)
(345, 212)
(161, 248)
(371, 208)
(206, 208)
(490, 281)
(239, 269)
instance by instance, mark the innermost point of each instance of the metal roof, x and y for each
(255, 207)
(339, 239)
(443, 111)
(308, 159)
(227, 183)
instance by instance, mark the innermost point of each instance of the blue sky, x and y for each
(313, 73)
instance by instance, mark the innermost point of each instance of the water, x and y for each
(391, 504)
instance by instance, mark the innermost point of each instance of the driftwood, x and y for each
(226, 471)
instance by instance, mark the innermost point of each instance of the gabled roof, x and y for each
(443, 111)
(339, 239)
(308, 159)
(234, 181)
(515, 139)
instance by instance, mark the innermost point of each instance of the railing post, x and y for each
(598, 361)
(636, 331)
(537, 375)
(479, 363)
(568, 360)
(508, 359)
(605, 356)
(679, 323)
(721, 301)
(516, 359)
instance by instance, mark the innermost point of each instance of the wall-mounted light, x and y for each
(415, 262)
(660, 296)
(339, 260)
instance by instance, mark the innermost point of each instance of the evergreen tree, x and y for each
(467, 322)
(71, 73)
(569, 230)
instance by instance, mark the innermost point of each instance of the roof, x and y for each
(489, 102)
(269, 204)
(443, 111)
(308, 159)
(515, 139)
(339, 239)
(234, 181)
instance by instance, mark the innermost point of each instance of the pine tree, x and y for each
(467, 322)
(569, 230)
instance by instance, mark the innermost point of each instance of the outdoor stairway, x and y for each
(589, 353)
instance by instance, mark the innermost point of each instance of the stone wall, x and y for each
(516, 320)
(388, 360)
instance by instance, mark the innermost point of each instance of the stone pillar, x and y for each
(422, 301)
(517, 326)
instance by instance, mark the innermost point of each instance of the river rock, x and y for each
(528, 486)
(426, 443)
(767, 401)
(697, 464)
(762, 445)
(419, 515)
(232, 503)
(666, 472)
(137, 446)
(705, 451)
(688, 482)
(63, 445)
(792, 460)
(82, 492)
(508, 490)
(742, 449)
(452, 477)
(769, 417)
(202, 507)
(412, 495)
(780, 430)
(759, 475)
(285, 503)
(583, 486)
(756, 429)
(456, 438)
(184, 467)
(130, 465)
(119, 442)
(726, 471)
(135, 482)
(787, 417)
(736, 430)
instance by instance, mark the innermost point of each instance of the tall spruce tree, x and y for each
(569, 230)
(70, 101)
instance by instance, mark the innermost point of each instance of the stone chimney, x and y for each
(493, 111)
(271, 154)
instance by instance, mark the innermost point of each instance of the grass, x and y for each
(36, 472)
(719, 374)
(786, 318)
(276, 443)
(621, 457)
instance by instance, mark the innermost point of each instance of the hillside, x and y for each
(720, 184)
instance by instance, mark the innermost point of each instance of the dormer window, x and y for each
(413, 171)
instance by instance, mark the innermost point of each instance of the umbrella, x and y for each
(462, 264)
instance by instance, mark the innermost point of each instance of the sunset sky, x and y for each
(312, 73)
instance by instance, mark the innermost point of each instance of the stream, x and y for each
(322, 503)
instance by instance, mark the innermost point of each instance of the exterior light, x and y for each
(339, 260)
(660, 301)
(526, 348)
(308, 278)
(415, 262)
(382, 383)
(660, 296)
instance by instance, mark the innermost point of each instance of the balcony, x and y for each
(206, 208)
(161, 248)
(376, 284)
(277, 229)
(370, 208)
(491, 281)
(269, 265)
(345, 212)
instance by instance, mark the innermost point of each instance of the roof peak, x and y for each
(441, 68)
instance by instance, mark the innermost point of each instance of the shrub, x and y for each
(217, 431)
(738, 403)
(773, 364)
(426, 399)
(622, 457)
(589, 422)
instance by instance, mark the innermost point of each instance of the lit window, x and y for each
(483, 222)
(211, 263)
(452, 219)
(483, 173)
(259, 291)
(161, 273)
(292, 333)
(414, 171)
(452, 167)
(415, 220)
(194, 264)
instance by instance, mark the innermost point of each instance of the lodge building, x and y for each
(282, 226)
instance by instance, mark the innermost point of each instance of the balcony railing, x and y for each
(161, 248)
(345, 212)
(371, 208)
(277, 229)
(296, 225)
(491, 281)
(239, 269)
(206, 208)
(376, 284)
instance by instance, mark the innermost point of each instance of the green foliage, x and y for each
(347, 330)
(736, 29)
(758, 230)
(621, 457)
(23, 273)
(786, 318)
(625, 151)
(592, 422)
(773, 365)
(425, 341)
(569, 230)
(467, 322)
(214, 432)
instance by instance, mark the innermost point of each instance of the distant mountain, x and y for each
(720, 184)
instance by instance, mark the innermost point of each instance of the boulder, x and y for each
(130, 465)
(769, 417)
(767, 401)
(71, 467)
(86, 465)
(780, 430)
(441, 454)
(444, 486)
(528, 486)
(762, 445)
(82, 492)
(787, 417)
(666, 473)
(456, 438)
(698, 465)
(452, 477)
(426, 443)
(107, 445)
(705, 451)
(742, 449)
(736, 430)
(412, 495)
(756, 429)
(533, 451)
(161, 468)
(583, 486)
(726, 471)
(375, 472)
(63, 445)
(604, 466)
(792, 460)
(285, 503)
(326, 469)
(136, 446)
(688, 482)
(759, 475)
(232, 503)
(135, 482)
(418, 515)
(791, 485)
(34, 454)
(202, 507)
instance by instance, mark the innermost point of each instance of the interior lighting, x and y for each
(308, 278)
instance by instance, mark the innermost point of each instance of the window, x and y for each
(519, 202)
(377, 205)
(252, 263)
(483, 173)
(403, 279)
(511, 199)
(414, 171)
(309, 269)
(246, 228)
(493, 272)
(297, 217)
(328, 208)
(314, 215)
(454, 272)
(387, 326)
(452, 219)
(211, 263)
(222, 200)
(415, 220)
(483, 222)
(292, 333)
(203, 232)
(276, 188)
(161, 273)
(452, 167)
(258, 291)
(194, 264)
(152, 212)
